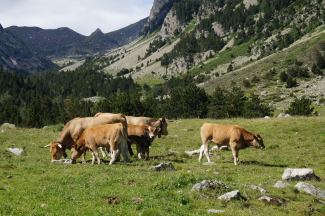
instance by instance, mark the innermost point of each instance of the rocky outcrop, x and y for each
(15, 56)
(298, 174)
(157, 15)
(171, 25)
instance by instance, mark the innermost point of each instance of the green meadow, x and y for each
(78, 189)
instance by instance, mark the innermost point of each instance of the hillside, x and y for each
(15, 56)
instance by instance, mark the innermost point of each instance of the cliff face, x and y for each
(171, 25)
(157, 15)
(15, 56)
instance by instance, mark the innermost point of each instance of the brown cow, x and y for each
(228, 135)
(108, 135)
(73, 130)
(142, 136)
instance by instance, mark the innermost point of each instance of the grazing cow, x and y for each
(226, 135)
(73, 130)
(108, 135)
(142, 136)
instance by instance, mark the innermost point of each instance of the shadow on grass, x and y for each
(260, 164)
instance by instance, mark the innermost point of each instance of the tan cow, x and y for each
(109, 135)
(142, 136)
(73, 130)
(228, 135)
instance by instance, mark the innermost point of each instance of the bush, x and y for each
(283, 76)
(300, 107)
(291, 83)
(255, 79)
(246, 83)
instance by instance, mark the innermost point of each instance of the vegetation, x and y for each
(300, 107)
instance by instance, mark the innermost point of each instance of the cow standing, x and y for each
(228, 135)
(109, 135)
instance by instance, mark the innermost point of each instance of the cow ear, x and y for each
(163, 120)
(158, 129)
(255, 137)
(146, 134)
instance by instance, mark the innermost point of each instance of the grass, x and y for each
(79, 189)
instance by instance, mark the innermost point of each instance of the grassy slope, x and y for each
(79, 189)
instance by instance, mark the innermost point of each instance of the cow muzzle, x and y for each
(262, 147)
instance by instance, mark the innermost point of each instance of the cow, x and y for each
(161, 123)
(142, 136)
(73, 130)
(228, 135)
(108, 135)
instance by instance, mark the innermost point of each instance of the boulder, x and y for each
(281, 184)
(163, 167)
(210, 163)
(311, 189)
(298, 174)
(206, 184)
(253, 187)
(231, 195)
(16, 151)
(271, 200)
(287, 116)
(281, 115)
(215, 211)
(3, 131)
(9, 125)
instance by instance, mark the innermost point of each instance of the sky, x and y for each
(82, 16)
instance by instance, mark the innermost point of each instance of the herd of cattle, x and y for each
(116, 132)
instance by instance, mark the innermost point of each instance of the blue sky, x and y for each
(82, 16)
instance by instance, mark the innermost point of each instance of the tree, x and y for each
(291, 83)
(33, 116)
(283, 76)
(256, 108)
(230, 68)
(320, 62)
(218, 106)
(300, 107)
(237, 101)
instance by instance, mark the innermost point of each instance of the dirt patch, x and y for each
(112, 200)
(129, 183)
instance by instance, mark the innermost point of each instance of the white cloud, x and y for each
(82, 16)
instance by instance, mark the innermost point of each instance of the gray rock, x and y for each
(267, 117)
(206, 184)
(172, 151)
(216, 172)
(9, 125)
(163, 167)
(184, 129)
(275, 201)
(45, 127)
(66, 161)
(281, 115)
(287, 116)
(43, 205)
(16, 151)
(195, 152)
(281, 184)
(3, 131)
(231, 195)
(253, 187)
(9, 176)
(311, 189)
(215, 211)
(298, 174)
(210, 163)
(272, 103)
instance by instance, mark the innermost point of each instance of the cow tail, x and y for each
(125, 127)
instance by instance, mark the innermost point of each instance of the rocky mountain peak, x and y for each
(98, 31)
(1, 29)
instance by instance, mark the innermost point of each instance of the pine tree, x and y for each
(33, 116)
(300, 107)
(218, 106)
(283, 76)
(256, 108)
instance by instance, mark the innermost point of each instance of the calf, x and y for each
(109, 135)
(229, 135)
(142, 136)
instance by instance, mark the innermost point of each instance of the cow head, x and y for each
(57, 150)
(76, 152)
(258, 142)
(163, 126)
(152, 132)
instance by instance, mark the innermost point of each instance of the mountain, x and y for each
(15, 56)
(127, 34)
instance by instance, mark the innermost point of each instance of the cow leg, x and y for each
(138, 151)
(147, 151)
(115, 153)
(130, 149)
(103, 150)
(84, 158)
(235, 153)
(205, 148)
(125, 153)
(95, 151)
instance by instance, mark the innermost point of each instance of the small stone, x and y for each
(184, 129)
(287, 116)
(231, 195)
(216, 172)
(188, 171)
(45, 127)
(3, 131)
(43, 205)
(172, 151)
(206, 184)
(281, 115)
(9, 176)
(275, 201)
(66, 161)
(267, 117)
(253, 187)
(163, 166)
(210, 163)
(297, 132)
(281, 184)
(16, 151)
(215, 211)
(298, 174)
(311, 189)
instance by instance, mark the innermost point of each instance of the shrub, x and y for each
(230, 68)
(255, 79)
(246, 83)
(291, 83)
(283, 76)
(300, 107)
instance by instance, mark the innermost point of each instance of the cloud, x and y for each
(82, 16)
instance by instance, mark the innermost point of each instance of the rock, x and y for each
(311, 189)
(215, 211)
(16, 151)
(184, 129)
(172, 151)
(196, 152)
(231, 195)
(3, 131)
(298, 174)
(281, 115)
(9, 125)
(264, 93)
(163, 166)
(207, 184)
(216, 172)
(67, 161)
(43, 205)
(9, 176)
(281, 184)
(210, 163)
(320, 201)
(287, 116)
(253, 187)
(297, 132)
(274, 201)
(267, 117)
(272, 103)
(226, 148)
(45, 127)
